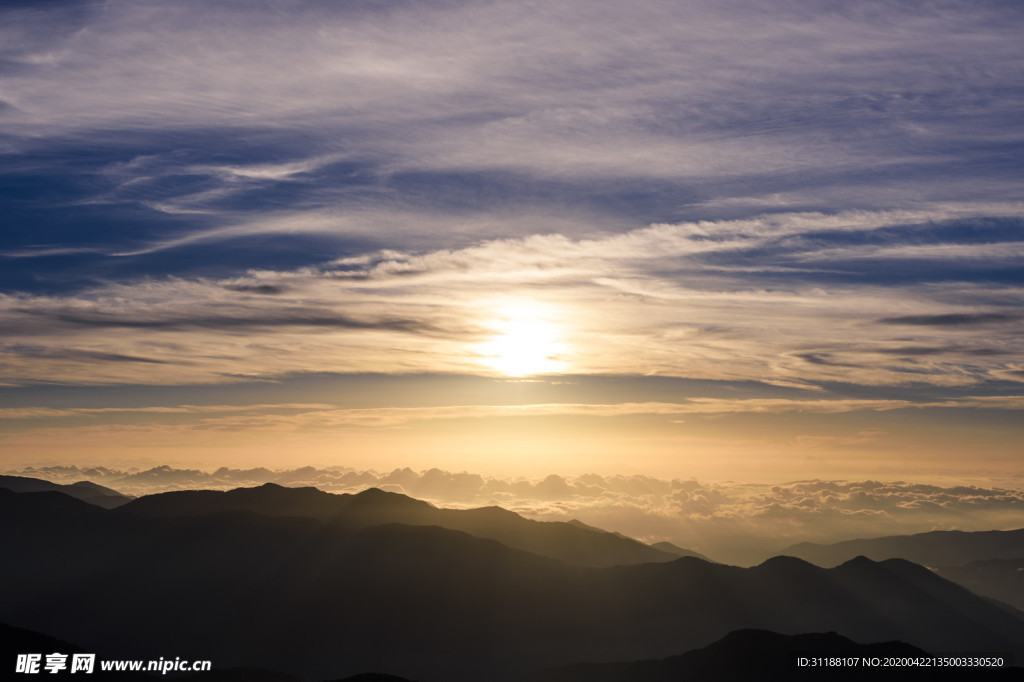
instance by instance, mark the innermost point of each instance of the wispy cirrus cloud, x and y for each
(568, 112)
(300, 416)
(661, 299)
(951, 320)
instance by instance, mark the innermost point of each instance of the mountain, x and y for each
(746, 655)
(678, 551)
(989, 563)
(937, 548)
(322, 600)
(15, 641)
(239, 675)
(374, 677)
(1001, 579)
(84, 490)
(572, 542)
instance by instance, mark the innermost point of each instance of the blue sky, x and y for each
(611, 235)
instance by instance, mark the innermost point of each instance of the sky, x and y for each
(720, 240)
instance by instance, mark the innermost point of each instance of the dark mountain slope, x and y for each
(989, 563)
(84, 490)
(374, 677)
(574, 543)
(320, 600)
(239, 675)
(746, 655)
(1001, 579)
(14, 641)
(677, 551)
(937, 548)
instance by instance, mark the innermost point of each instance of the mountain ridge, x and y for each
(753, 654)
(989, 563)
(87, 491)
(933, 548)
(318, 599)
(573, 543)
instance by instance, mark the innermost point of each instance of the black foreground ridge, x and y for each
(322, 600)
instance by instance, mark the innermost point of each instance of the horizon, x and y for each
(738, 523)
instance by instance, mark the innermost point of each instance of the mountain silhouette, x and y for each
(1001, 579)
(745, 655)
(936, 548)
(572, 542)
(374, 677)
(241, 674)
(678, 551)
(322, 600)
(989, 563)
(83, 490)
(15, 641)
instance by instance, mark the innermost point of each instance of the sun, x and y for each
(528, 340)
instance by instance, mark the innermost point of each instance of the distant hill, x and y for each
(572, 542)
(1001, 579)
(990, 563)
(678, 551)
(83, 490)
(746, 655)
(937, 548)
(15, 640)
(320, 600)
(374, 677)
(239, 675)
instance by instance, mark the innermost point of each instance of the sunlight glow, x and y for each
(527, 341)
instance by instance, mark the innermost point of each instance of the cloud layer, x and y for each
(725, 300)
(446, 122)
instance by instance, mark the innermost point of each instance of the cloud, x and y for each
(669, 299)
(48, 412)
(73, 354)
(284, 422)
(265, 289)
(814, 100)
(937, 350)
(950, 320)
(294, 318)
